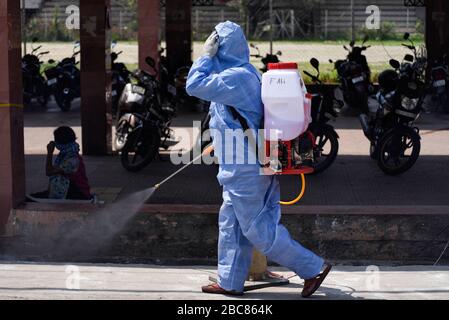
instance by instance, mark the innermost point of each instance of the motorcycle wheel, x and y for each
(326, 150)
(42, 93)
(398, 151)
(26, 101)
(140, 149)
(373, 151)
(43, 100)
(444, 102)
(64, 103)
(121, 135)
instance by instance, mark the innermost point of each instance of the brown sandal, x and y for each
(312, 285)
(216, 289)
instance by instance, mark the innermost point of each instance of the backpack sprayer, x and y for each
(288, 144)
(287, 107)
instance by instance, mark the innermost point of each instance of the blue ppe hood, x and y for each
(233, 48)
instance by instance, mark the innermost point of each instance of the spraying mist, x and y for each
(100, 228)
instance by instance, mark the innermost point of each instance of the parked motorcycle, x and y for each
(439, 83)
(324, 108)
(354, 75)
(268, 58)
(120, 77)
(144, 120)
(34, 84)
(63, 80)
(395, 142)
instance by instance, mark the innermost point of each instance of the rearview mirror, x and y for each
(150, 61)
(395, 64)
(315, 63)
(279, 53)
(365, 39)
(409, 58)
(406, 36)
(352, 43)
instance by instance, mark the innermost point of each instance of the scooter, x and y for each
(395, 141)
(354, 75)
(439, 83)
(34, 84)
(120, 77)
(63, 80)
(324, 108)
(144, 120)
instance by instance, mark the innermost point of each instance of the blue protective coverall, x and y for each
(250, 213)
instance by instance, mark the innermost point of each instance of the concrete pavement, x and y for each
(88, 281)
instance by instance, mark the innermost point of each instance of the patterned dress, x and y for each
(68, 161)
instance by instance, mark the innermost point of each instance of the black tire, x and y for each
(444, 102)
(361, 99)
(43, 99)
(42, 92)
(325, 138)
(64, 103)
(393, 147)
(26, 101)
(144, 145)
(373, 151)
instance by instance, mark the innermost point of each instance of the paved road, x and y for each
(87, 281)
(354, 179)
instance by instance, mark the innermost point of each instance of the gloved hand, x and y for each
(210, 48)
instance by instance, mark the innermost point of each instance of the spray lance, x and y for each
(207, 151)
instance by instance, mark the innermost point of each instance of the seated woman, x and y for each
(67, 174)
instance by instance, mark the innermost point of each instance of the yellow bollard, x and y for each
(259, 267)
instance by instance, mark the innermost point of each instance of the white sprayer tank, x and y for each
(287, 112)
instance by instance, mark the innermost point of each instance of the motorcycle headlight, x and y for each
(408, 103)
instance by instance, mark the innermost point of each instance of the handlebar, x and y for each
(308, 74)
(37, 48)
(314, 78)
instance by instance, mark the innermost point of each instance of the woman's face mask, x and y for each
(58, 146)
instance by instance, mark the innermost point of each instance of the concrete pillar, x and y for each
(12, 160)
(437, 25)
(96, 117)
(149, 29)
(178, 30)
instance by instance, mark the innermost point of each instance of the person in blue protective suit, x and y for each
(250, 214)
